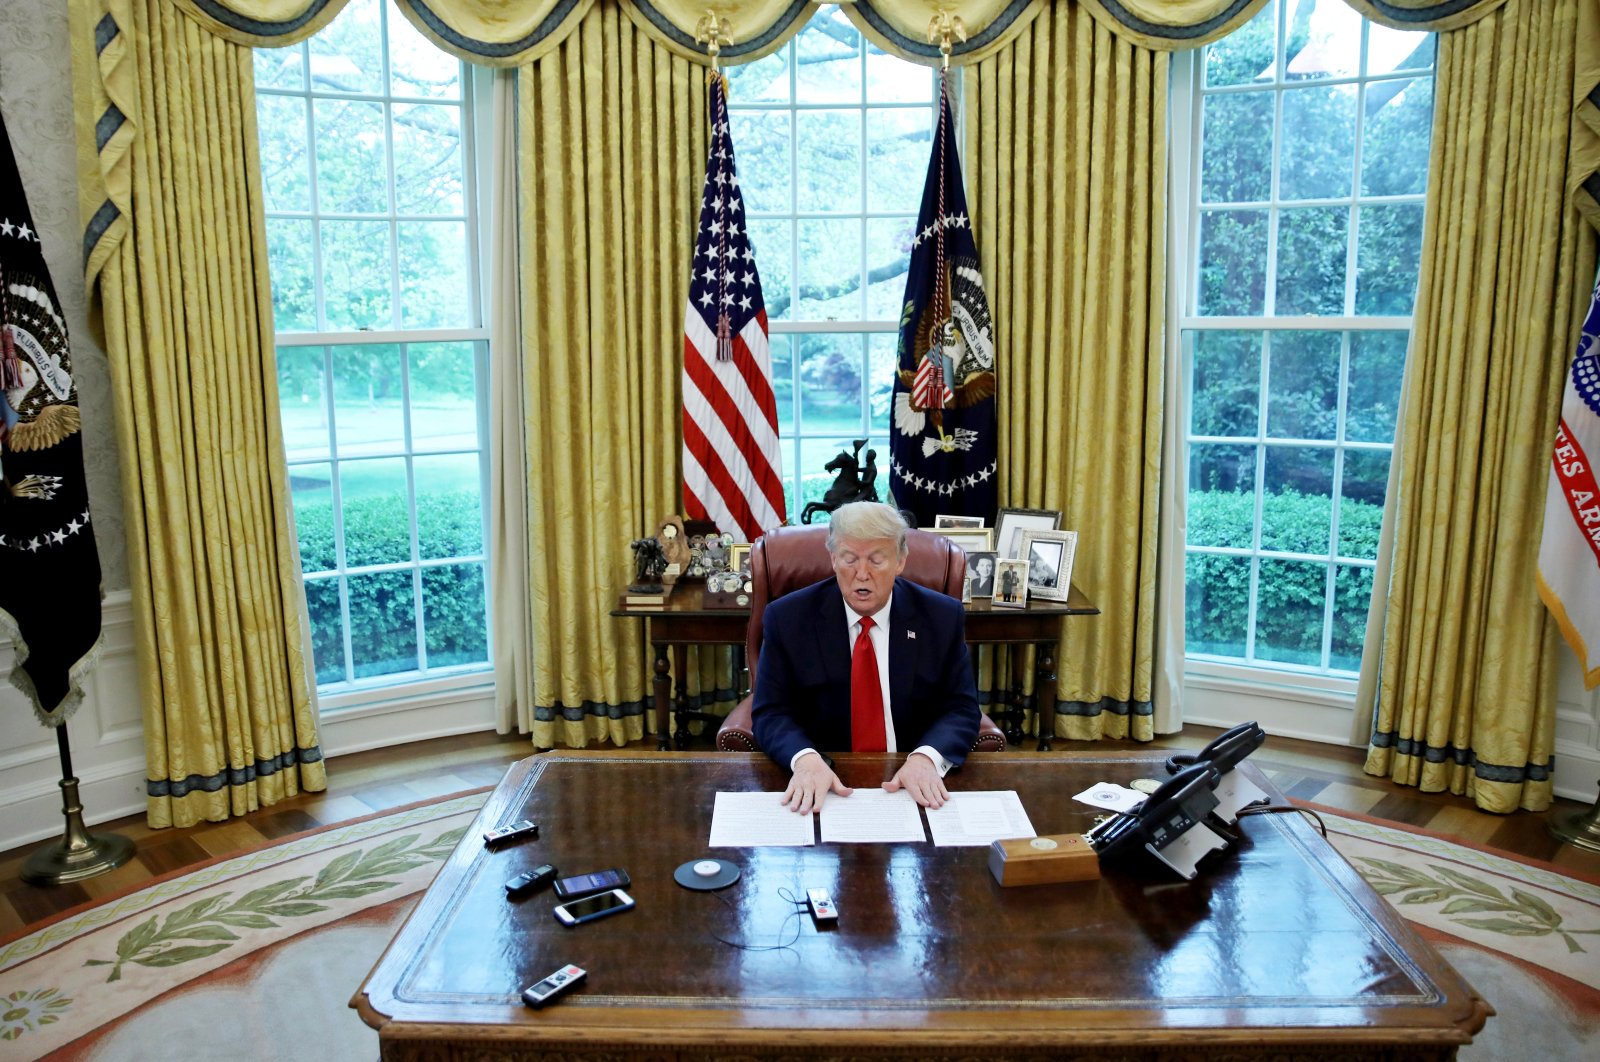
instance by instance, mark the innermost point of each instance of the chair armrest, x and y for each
(990, 737)
(736, 735)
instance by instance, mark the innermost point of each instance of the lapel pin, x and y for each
(911, 634)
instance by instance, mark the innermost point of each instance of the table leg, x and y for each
(680, 704)
(1044, 687)
(663, 694)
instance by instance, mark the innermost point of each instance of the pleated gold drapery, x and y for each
(614, 141)
(176, 247)
(1467, 675)
(1066, 150)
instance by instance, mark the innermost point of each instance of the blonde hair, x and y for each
(868, 520)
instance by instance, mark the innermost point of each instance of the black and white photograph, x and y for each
(1011, 583)
(1013, 522)
(1049, 556)
(942, 521)
(980, 569)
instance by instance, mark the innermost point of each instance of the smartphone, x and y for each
(589, 884)
(589, 908)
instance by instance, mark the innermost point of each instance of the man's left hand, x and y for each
(919, 777)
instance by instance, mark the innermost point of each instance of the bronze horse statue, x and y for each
(852, 482)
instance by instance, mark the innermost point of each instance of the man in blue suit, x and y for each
(865, 661)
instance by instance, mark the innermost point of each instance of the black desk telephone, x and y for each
(1166, 814)
(1223, 753)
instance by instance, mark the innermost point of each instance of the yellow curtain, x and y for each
(1467, 675)
(1066, 134)
(171, 185)
(614, 141)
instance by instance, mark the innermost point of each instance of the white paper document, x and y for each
(979, 818)
(1110, 796)
(871, 816)
(750, 820)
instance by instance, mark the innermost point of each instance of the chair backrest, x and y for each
(792, 558)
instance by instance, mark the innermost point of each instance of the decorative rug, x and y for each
(301, 923)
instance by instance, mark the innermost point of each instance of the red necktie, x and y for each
(866, 696)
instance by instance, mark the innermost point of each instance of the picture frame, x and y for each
(971, 539)
(980, 572)
(941, 522)
(739, 558)
(1010, 583)
(1010, 523)
(1049, 556)
(966, 589)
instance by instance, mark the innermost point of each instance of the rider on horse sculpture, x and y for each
(854, 482)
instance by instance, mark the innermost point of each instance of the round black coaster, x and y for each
(687, 876)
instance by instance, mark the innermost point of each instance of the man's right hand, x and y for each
(812, 780)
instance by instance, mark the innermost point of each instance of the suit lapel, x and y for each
(904, 621)
(833, 641)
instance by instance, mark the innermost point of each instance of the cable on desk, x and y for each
(1276, 809)
(801, 906)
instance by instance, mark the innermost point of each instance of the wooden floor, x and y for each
(368, 782)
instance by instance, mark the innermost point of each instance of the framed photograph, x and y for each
(940, 522)
(1010, 583)
(966, 589)
(980, 572)
(1012, 522)
(739, 558)
(971, 539)
(1049, 558)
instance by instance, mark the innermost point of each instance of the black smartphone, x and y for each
(589, 884)
(589, 908)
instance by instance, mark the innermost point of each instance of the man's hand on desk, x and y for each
(919, 777)
(812, 780)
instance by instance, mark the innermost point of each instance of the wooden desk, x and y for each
(1278, 950)
(684, 621)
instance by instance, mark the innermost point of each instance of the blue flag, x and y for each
(942, 445)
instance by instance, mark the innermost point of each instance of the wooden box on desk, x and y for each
(1042, 860)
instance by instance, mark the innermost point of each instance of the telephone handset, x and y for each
(1224, 752)
(1181, 802)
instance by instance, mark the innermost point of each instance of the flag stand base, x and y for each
(1581, 828)
(79, 854)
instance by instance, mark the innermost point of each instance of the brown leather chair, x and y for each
(791, 558)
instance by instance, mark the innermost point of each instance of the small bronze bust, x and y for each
(649, 561)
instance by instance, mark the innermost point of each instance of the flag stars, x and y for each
(24, 232)
(6, 228)
(707, 299)
(748, 279)
(745, 302)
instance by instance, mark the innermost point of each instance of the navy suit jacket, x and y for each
(802, 695)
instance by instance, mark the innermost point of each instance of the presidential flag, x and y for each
(1569, 552)
(732, 473)
(49, 568)
(942, 445)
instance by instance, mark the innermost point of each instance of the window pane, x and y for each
(1237, 158)
(367, 393)
(327, 629)
(888, 262)
(289, 261)
(882, 363)
(1303, 386)
(383, 623)
(1377, 366)
(1222, 499)
(1395, 137)
(761, 142)
(453, 611)
(1388, 259)
(1389, 49)
(417, 66)
(764, 81)
(830, 271)
(830, 384)
(783, 385)
(1297, 503)
(1312, 245)
(280, 67)
(1352, 599)
(899, 140)
(356, 282)
(1319, 136)
(377, 523)
(1328, 45)
(829, 68)
(893, 80)
(1226, 388)
(352, 170)
(1362, 487)
(1233, 262)
(427, 159)
(302, 403)
(347, 55)
(313, 516)
(1246, 54)
(771, 241)
(434, 280)
(285, 169)
(1291, 602)
(829, 155)
(1216, 603)
(444, 396)
(449, 506)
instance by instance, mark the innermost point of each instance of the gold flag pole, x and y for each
(945, 27)
(78, 854)
(713, 32)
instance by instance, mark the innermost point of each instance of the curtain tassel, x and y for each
(724, 338)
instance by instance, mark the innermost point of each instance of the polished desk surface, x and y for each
(687, 600)
(1277, 945)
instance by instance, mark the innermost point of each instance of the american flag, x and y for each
(732, 474)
